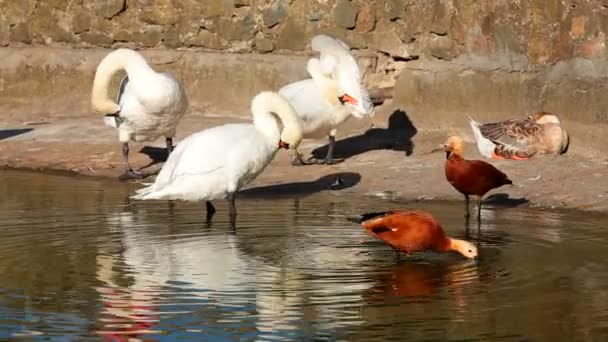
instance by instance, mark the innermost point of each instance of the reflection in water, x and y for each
(80, 261)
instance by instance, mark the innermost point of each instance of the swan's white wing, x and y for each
(307, 100)
(346, 71)
(208, 163)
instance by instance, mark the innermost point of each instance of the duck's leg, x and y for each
(479, 209)
(129, 172)
(232, 209)
(466, 207)
(169, 142)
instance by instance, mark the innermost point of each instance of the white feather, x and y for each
(333, 74)
(150, 103)
(484, 145)
(211, 163)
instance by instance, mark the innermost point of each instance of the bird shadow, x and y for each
(334, 181)
(397, 137)
(503, 200)
(9, 133)
(157, 155)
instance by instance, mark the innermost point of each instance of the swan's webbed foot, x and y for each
(327, 161)
(297, 160)
(329, 158)
(131, 174)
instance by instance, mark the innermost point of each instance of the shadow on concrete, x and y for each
(9, 133)
(502, 200)
(334, 181)
(156, 154)
(397, 137)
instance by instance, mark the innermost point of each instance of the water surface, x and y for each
(79, 260)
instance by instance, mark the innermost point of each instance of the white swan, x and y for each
(216, 162)
(333, 93)
(148, 105)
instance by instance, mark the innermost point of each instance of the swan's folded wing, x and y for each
(516, 135)
(306, 98)
(203, 153)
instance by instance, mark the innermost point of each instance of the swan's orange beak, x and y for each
(283, 144)
(347, 98)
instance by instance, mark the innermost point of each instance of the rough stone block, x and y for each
(344, 14)
(110, 8)
(274, 13)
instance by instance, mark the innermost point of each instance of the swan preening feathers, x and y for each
(539, 133)
(215, 163)
(149, 104)
(334, 92)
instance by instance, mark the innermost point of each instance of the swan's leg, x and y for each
(129, 172)
(210, 210)
(232, 209)
(466, 207)
(169, 142)
(329, 158)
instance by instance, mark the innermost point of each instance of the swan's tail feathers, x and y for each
(115, 61)
(147, 193)
(484, 145)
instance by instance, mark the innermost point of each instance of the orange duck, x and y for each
(470, 177)
(412, 231)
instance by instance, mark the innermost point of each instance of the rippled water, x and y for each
(79, 260)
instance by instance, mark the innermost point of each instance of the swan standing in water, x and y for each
(149, 104)
(216, 162)
(332, 94)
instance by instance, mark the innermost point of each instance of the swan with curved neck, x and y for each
(334, 92)
(216, 162)
(149, 104)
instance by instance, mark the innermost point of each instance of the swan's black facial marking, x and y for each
(283, 144)
(347, 98)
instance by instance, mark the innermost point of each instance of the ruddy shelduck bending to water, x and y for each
(520, 139)
(216, 162)
(412, 231)
(470, 177)
(149, 104)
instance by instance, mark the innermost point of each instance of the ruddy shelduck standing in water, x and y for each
(412, 231)
(470, 177)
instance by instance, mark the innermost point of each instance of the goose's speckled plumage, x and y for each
(539, 133)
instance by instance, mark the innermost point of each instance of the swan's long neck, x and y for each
(328, 86)
(122, 59)
(272, 115)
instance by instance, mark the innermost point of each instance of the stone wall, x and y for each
(446, 58)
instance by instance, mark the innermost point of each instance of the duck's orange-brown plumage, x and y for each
(412, 231)
(471, 177)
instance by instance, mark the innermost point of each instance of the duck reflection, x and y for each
(423, 280)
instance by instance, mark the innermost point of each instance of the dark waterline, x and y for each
(79, 260)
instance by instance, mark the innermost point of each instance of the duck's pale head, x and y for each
(454, 145)
(465, 248)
